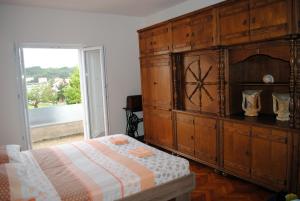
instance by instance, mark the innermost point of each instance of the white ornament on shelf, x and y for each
(268, 79)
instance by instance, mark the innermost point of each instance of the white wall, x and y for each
(38, 25)
(175, 11)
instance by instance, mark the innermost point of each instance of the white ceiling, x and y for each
(140, 8)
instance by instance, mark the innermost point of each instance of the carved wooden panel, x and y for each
(200, 81)
(268, 19)
(297, 85)
(297, 16)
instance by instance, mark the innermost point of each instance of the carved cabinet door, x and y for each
(185, 133)
(206, 139)
(181, 35)
(236, 148)
(148, 121)
(200, 74)
(269, 18)
(162, 81)
(234, 23)
(203, 29)
(162, 128)
(270, 156)
(145, 43)
(161, 39)
(148, 74)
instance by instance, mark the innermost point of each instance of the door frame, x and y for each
(22, 91)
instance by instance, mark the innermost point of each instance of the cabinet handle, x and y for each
(245, 22)
(192, 137)
(187, 35)
(253, 20)
(154, 82)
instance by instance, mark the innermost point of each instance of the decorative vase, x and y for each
(251, 102)
(281, 106)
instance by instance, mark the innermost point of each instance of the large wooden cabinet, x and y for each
(194, 69)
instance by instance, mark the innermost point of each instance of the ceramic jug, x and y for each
(281, 103)
(251, 102)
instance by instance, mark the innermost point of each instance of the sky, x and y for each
(46, 58)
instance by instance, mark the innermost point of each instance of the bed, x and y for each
(97, 169)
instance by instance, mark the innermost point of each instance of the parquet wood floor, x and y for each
(213, 187)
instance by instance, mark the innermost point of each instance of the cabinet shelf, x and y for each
(261, 84)
(266, 119)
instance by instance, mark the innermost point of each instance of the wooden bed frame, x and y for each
(178, 189)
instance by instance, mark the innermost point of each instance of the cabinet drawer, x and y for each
(279, 136)
(185, 118)
(260, 132)
(241, 129)
(206, 122)
(157, 61)
(181, 35)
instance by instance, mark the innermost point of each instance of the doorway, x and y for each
(64, 95)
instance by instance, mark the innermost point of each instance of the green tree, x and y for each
(41, 93)
(60, 93)
(72, 91)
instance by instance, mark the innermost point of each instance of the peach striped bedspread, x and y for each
(87, 170)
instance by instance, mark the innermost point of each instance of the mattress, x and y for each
(88, 170)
